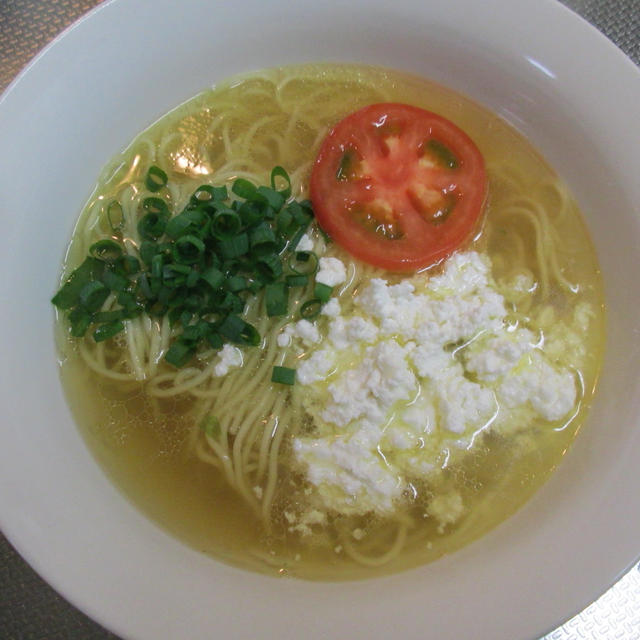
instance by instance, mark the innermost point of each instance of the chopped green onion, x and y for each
(157, 262)
(250, 213)
(68, 295)
(192, 278)
(244, 189)
(230, 302)
(322, 291)
(106, 331)
(188, 249)
(155, 205)
(234, 247)
(237, 330)
(128, 264)
(236, 283)
(115, 216)
(212, 276)
(194, 332)
(304, 263)
(284, 220)
(214, 339)
(206, 193)
(211, 426)
(115, 281)
(179, 353)
(185, 319)
(175, 275)
(226, 223)
(311, 309)
(276, 295)
(283, 375)
(152, 225)
(190, 221)
(256, 284)
(271, 197)
(302, 212)
(80, 321)
(279, 172)
(297, 281)
(262, 239)
(93, 295)
(108, 316)
(144, 286)
(195, 301)
(156, 179)
(269, 267)
(147, 250)
(198, 267)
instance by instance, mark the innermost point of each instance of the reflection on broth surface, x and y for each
(427, 407)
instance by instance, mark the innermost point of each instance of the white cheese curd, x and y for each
(344, 332)
(552, 393)
(403, 377)
(305, 243)
(331, 308)
(331, 271)
(447, 508)
(305, 330)
(370, 389)
(462, 404)
(499, 354)
(317, 367)
(284, 337)
(229, 357)
(349, 472)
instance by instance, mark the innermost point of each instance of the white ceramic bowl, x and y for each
(547, 72)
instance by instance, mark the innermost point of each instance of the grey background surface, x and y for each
(29, 608)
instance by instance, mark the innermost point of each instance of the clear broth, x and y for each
(143, 443)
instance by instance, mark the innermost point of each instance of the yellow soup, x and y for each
(427, 407)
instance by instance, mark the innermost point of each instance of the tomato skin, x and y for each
(398, 187)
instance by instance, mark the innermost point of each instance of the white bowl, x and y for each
(535, 63)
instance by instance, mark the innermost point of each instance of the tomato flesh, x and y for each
(397, 186)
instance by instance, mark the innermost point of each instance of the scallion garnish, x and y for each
(211, 426)
(297, 281)
(93, 295)
(276, 296)
(153, 224)
(179, 353)
(304, 263)
(279, 172)
(311, 309)
(115, 216)
(322, 291)
(106, 250)
(156, 179)
(198, 266)
(283, 375)
(226, 223)
(234, 246)
(108, 330)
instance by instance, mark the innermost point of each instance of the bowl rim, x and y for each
(17, 528)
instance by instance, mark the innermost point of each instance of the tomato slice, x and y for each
(397, 186)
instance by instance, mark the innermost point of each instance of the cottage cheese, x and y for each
(331, 271)
(305, 243)
(405, 376)
(229, 357)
